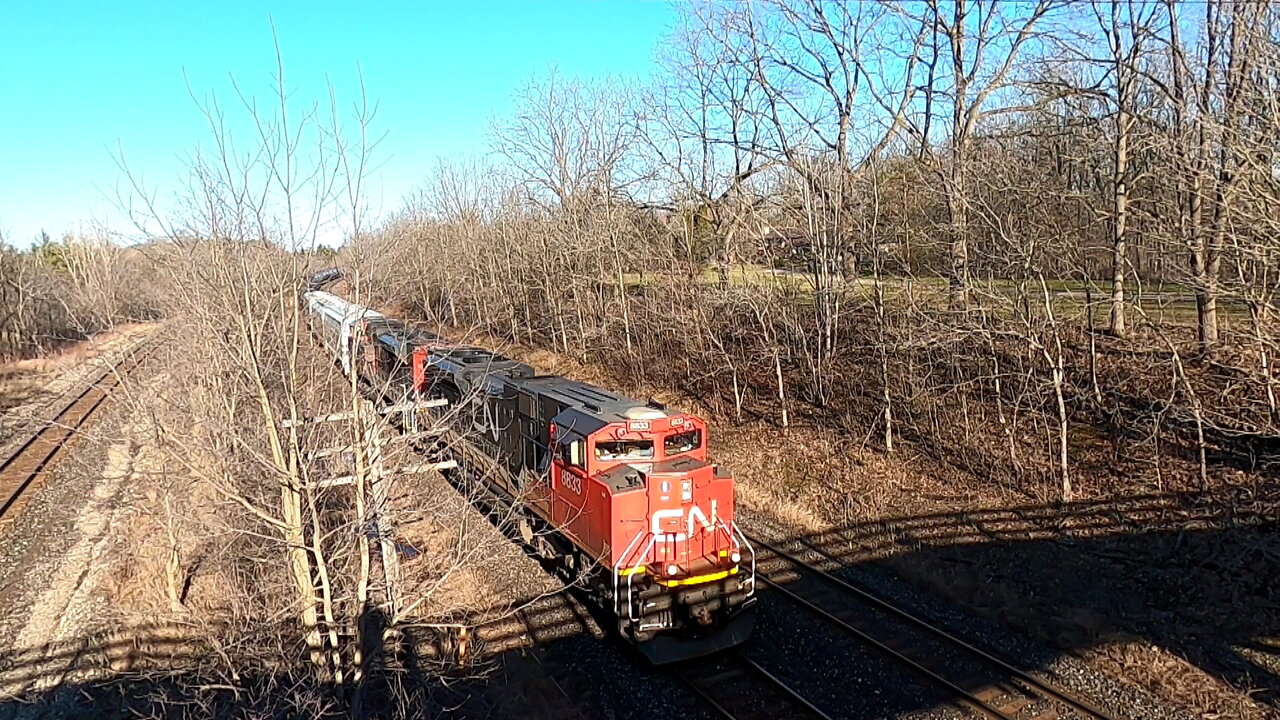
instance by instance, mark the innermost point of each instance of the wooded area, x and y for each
(1029, 238)
(58, 292)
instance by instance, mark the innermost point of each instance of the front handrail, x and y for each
(617, 567)
(737, 540)
(747, 544)
(631, 576)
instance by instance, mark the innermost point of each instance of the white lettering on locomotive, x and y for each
(694, 517)
(489, 422)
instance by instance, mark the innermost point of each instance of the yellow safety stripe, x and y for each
(638, 570)
(699, 579)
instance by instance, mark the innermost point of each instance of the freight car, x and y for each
(618, 494)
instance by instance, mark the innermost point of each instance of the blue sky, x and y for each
(81, 81)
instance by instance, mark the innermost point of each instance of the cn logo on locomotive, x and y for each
(694, 517)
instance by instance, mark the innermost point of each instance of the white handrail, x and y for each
(747, 544)
(631, 575)
(617, 597)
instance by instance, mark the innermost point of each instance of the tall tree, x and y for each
(1125, 25)
(979, 43)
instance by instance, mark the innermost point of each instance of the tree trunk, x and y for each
(1120, 222)
(958, 278)
(1203, 272)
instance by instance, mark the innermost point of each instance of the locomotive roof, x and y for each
(597, 406)
(589, 408)
(336, 307)
(397, 336)
(596, 401)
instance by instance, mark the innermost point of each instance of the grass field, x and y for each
(1161, 303)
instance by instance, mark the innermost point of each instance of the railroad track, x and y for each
(732, 685)
(981, 682)
(738, 688)
(26, 467)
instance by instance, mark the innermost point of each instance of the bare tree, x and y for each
(569, 141)
(1126, 26)
(979, 44)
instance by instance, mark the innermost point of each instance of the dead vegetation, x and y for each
(256, 574)
(915, 260)
(59, 293)
(33, 380)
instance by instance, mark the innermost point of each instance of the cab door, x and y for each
(569, 482)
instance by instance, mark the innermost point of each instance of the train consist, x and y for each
(619, 495)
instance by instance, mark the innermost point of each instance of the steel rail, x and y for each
(20, 470)
(965, 696)
(1028, 683)
(776, 683)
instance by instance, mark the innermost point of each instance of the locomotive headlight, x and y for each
(672, 569)
(735, 556)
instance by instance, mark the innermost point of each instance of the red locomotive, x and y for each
(619, 494)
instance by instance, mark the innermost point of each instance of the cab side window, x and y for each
(572, 453)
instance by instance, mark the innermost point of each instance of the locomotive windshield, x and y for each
(683, 442)
(624, 450)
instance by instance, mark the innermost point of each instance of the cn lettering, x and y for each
(694, 517)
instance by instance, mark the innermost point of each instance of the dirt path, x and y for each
(30, 389)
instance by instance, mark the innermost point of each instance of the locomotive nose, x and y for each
(684, 520)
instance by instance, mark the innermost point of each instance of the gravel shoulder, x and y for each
(53, 564)
(1064, 670)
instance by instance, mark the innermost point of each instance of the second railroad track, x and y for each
(24, 469)
(981, 682)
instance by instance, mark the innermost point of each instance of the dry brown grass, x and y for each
(1155, 669)
(455, 591)
(22, 381)
(76, 353)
